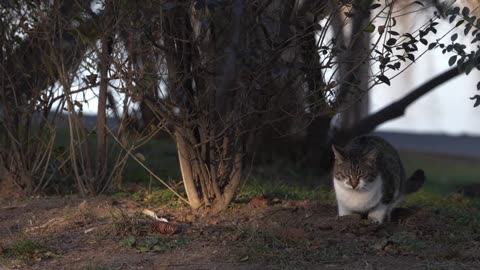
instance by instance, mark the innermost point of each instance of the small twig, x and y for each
(145, 167)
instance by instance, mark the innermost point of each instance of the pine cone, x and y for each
(164, 227)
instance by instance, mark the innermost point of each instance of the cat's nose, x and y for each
(354, 184)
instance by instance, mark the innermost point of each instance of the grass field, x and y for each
(445, 174)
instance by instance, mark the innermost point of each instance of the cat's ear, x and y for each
(338, 153)
(371, 157)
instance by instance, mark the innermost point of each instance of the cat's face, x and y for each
(354, 172)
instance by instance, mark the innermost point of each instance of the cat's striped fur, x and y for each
(369, 178)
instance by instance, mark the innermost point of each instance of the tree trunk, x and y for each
(104, 55)
(352, 96)
(211, 173)
(186, 159)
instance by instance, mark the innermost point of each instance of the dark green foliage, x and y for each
(465, 61)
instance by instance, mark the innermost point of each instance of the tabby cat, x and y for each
(369, 178)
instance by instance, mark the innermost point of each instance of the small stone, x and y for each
(276, 201)
(381, 244)
(244, 259)
(235, 236)
(49, 254)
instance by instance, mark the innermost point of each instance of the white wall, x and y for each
(447, 109)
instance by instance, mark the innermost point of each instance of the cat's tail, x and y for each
(415, 182)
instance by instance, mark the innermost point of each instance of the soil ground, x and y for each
(108, 233)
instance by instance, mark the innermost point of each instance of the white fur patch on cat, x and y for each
(360, 200)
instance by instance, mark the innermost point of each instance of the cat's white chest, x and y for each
(351, 200)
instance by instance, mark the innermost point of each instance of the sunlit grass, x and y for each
(23, 249)
(286, 180)
(444, 173)
(275, 188)
(431, 198)
(94, 266)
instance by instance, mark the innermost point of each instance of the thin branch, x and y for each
(145, 167)
(396, 109)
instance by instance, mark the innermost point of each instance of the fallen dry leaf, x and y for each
(258, 202)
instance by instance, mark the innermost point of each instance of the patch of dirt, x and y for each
(103, 233)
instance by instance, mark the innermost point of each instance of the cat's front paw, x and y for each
(378, 214)
(375, 219)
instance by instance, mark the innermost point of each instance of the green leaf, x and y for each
(418, 3)
(477, 100)
(478, 86)
(128, 242)
(391, 41)
(452, 60)
(468, 67)
(150, 241)
(158, 248)
(455, 10)
(374, 6)
(384, 79)
(452, 18)
(432, 46)
(144, 249)
(454, 37)
(370, 28)
(467, 29)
